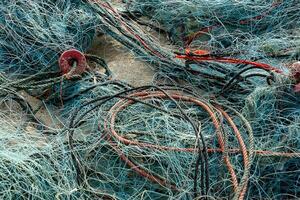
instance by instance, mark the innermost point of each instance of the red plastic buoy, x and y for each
(297, 88)
(68, 58)
(295, 73)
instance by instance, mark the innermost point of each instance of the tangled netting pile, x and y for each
(220, 121)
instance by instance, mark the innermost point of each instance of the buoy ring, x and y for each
(295, 73)
(67, 59)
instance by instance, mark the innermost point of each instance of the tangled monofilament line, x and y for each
(34, 33)
(99, 16)
(239, 139)
(220, 20)
(123, 146)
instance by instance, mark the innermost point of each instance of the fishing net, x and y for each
(153, 141)
(221, 23)
(34, 33)
(274, 115)
(231, 133)
(33, 166)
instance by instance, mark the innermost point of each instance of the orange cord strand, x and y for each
(122, 104)
(230, 60)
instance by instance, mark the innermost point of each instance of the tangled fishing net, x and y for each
(154, 137)
(230, 132)
(265, 32)
(222, 23)
(32, 166)
(34, 34)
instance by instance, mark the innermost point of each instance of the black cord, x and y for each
(237, 77)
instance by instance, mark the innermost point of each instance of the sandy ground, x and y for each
(121, 62)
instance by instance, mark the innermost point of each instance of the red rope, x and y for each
(122, 104)
(229, 60)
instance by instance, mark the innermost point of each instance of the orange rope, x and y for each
(144, 95)
(140, 171)
(122, 104)
(243, 148)
(229, 60)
